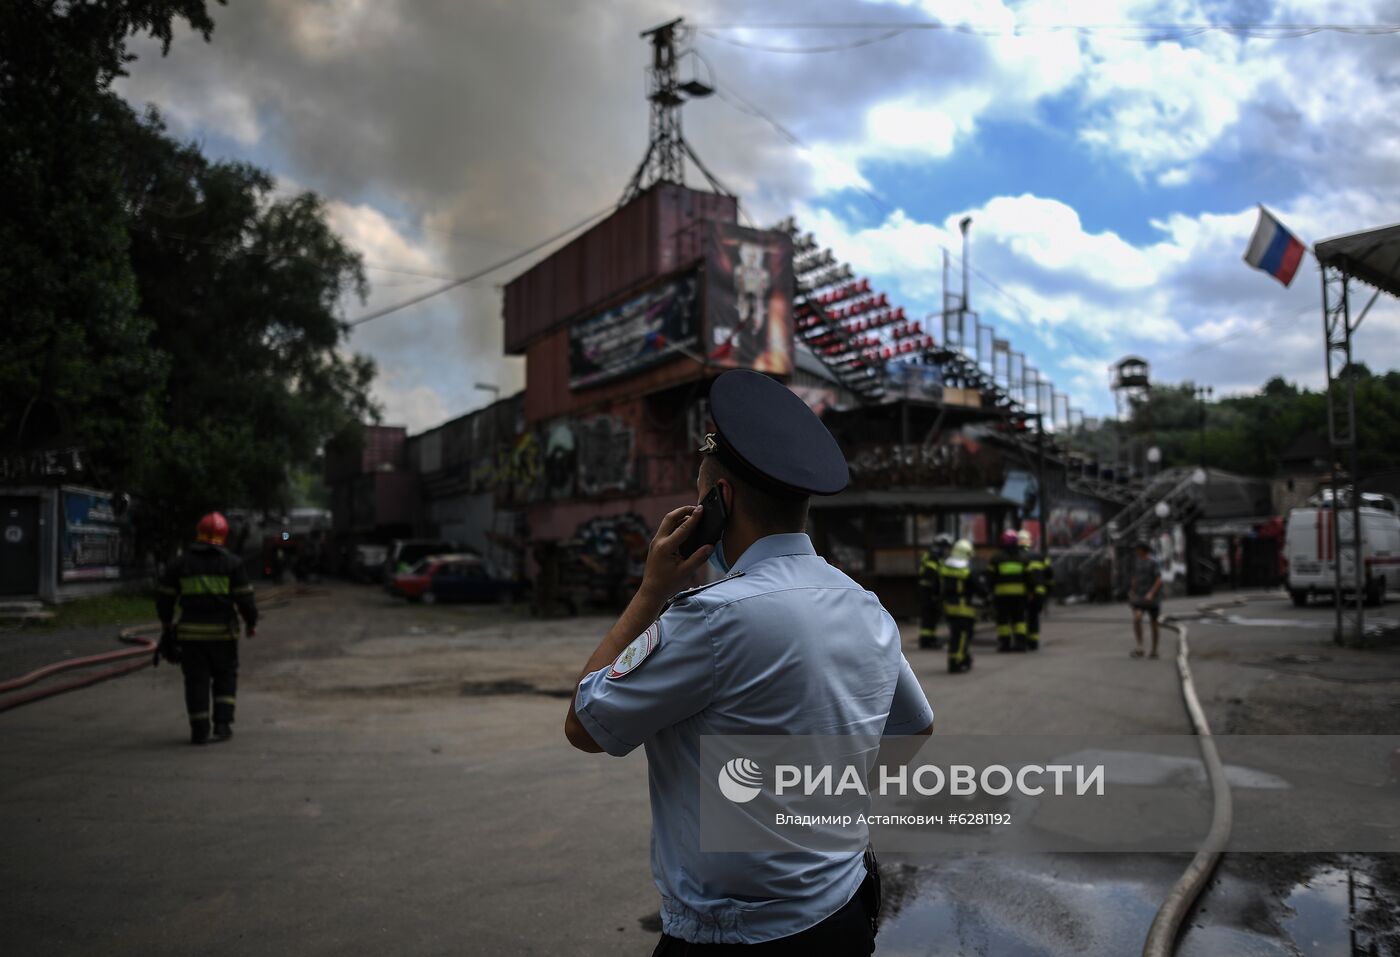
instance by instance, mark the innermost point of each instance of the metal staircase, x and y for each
(856, 332)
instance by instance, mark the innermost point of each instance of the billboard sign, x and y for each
(92, 536)
(647, 329)
(748, 289)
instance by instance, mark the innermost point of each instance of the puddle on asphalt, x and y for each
(993, 908)
(1374, 623)
(1058, 905)
(1324, 908)
(1310, 623)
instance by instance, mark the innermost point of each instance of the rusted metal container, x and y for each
(381, 448)
(656, 233)
(547, 392)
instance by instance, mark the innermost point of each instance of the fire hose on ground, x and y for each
(144, 637)
(1166, 926)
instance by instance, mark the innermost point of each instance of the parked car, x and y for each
(405, 553)
(459, 577)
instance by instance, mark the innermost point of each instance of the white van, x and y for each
(1312, 542)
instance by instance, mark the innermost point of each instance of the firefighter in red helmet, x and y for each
(1010, 584)
(211, 589)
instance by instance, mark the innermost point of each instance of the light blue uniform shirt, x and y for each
(786, 645)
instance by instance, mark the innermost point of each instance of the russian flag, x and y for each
(1274, 249)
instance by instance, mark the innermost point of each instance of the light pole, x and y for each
(1203, 395)
(495, 391)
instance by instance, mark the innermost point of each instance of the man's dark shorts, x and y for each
(1153, 608)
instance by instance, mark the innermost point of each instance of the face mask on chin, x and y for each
(716, 559)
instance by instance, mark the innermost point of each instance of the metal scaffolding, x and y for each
(1372, 257)
(667, 148)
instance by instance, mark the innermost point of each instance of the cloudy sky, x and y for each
(1112, 183)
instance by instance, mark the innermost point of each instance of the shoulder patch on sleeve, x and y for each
(636, 652)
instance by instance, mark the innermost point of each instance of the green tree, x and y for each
(1248, 433)
(173, 316)
(242, 286)
(77, 366)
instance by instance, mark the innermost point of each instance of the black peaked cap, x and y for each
(770, 437)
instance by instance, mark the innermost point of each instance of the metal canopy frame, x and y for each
(1372, 257)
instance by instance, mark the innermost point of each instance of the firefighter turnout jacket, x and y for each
(928, 571)
(210, 586)
(957, 590)
(1038, 572)
(1009, 574)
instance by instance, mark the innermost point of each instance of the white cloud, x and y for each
(417, 406)
(1161, 105)
(378, 238)
(328, 29)
(195, 108)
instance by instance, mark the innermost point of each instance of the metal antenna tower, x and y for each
(666, 152)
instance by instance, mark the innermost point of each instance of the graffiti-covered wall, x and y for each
(606, 455)
(620, 451)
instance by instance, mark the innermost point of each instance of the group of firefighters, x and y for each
(1017, 579)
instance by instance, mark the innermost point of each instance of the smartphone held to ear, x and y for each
(710, 527)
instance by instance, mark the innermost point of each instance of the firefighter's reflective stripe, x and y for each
(1036, 569)
(244, 590)
(1010, 570)
(166, 590)
(199, 631)
(224, 699)
(955, 583)
(928, 571)
(204, 585)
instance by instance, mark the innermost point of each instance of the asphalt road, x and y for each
(399, 783)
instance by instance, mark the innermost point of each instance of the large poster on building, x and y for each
(650, 327)
(748, 291)
(92, 537)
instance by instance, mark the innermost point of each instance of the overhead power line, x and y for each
(499, 264)
(1254, 327)
(1132, 32)
(279, 254)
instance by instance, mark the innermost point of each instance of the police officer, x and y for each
(958, 587)
(1010, 585)
(931, 590)
(211, 588)
(1037, 572)
(783, 644)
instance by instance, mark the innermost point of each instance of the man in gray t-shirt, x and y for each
(1145, 595)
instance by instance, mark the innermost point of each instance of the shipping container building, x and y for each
(656, 234)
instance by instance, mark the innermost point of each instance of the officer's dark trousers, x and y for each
(210, 665)
(930, 610)
(959, 639)
(846, 933)
(1034, 603)
(1011, 621)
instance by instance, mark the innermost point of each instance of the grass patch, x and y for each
(134, 607)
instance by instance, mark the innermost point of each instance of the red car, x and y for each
(449, 578)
